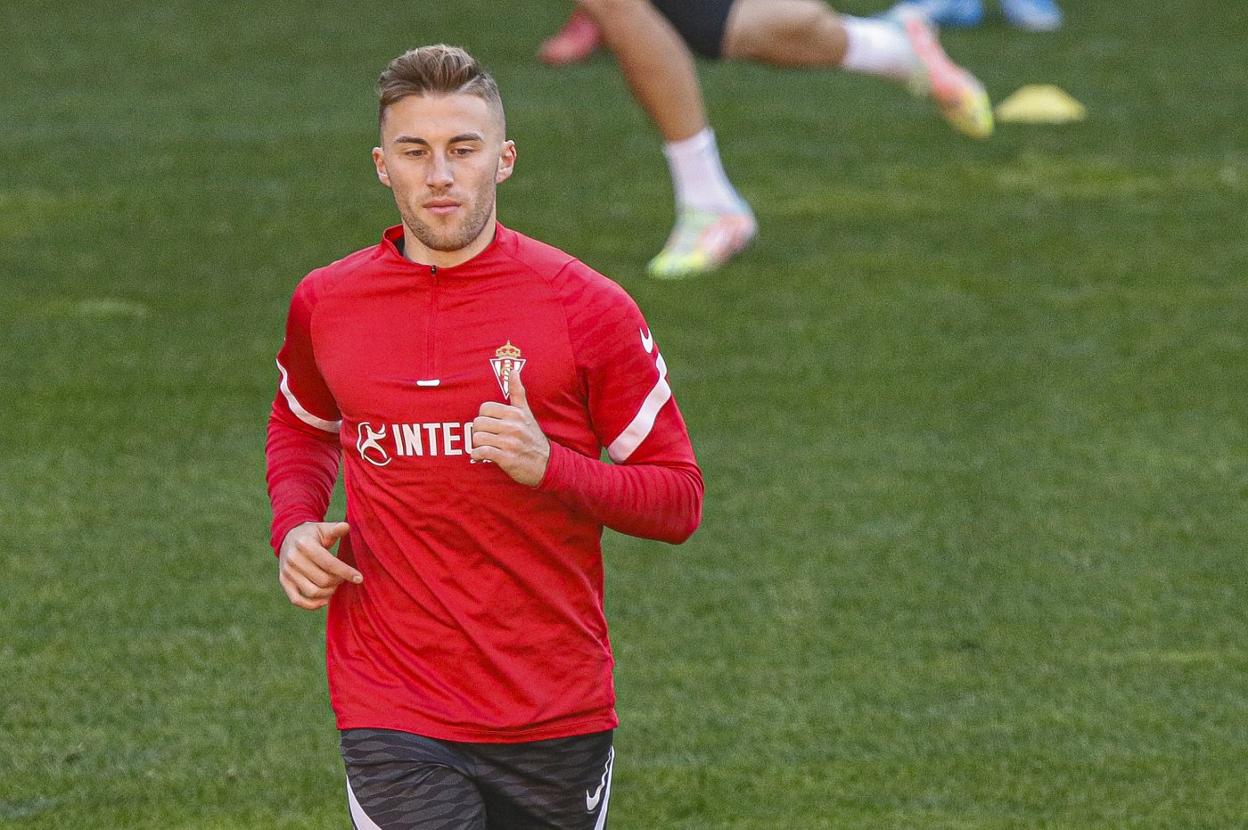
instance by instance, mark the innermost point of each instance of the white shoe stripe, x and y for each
(361, 819)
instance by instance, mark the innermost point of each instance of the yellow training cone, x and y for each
(1041, 104)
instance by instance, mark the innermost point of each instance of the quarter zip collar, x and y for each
(392, 237)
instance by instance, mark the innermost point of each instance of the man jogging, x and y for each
(468, 378)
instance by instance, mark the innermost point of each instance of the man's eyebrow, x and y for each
(413, 139)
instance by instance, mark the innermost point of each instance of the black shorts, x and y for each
(701, 23)
(400, 781)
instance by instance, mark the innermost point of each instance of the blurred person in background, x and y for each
(654, 42)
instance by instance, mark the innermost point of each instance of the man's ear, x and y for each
(379, 161)
(506, 162)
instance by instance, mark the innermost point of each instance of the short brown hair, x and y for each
(435, 70)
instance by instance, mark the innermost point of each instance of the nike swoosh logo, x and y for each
(647, 341)
(591, 801)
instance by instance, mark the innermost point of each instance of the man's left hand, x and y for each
(510, 437)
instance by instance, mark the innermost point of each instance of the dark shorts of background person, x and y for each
(701, 23)
(400, 781)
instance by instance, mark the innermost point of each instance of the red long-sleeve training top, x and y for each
(480, 617)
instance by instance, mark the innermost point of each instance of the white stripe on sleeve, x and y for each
(630, 439)
(297, 408)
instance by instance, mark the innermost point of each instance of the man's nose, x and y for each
(440, 175)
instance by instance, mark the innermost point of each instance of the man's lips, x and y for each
(441, 207)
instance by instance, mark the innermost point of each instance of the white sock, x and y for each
(877, 47)
(698, 176)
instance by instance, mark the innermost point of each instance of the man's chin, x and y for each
(447, 241)
(445, 245)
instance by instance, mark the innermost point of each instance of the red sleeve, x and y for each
(302, 451)
(654, 488)
(655, 501)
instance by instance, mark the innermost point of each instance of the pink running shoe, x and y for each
(576, 41)
(959, 94)
(702, 241)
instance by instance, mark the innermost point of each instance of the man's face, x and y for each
(443, 156)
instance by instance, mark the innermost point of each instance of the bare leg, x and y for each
(808, 34)
(656, 63)
(796, 33)
(713, 222)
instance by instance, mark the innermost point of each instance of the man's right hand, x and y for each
(308, 572)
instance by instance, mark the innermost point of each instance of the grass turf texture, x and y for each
(971, 417)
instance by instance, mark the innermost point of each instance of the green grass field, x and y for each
(972, 419)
